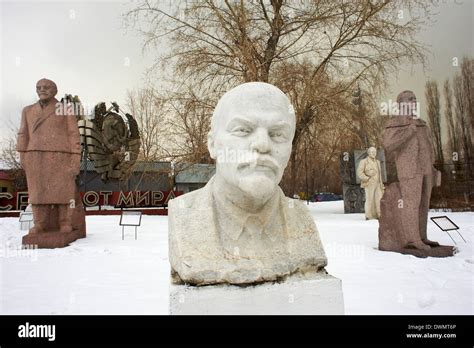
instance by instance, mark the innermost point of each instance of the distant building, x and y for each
(150, 176)
(145, 176)
(6, 181)
(193, 176)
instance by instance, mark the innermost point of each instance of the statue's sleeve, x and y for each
(379, 167)
(395, 137)
(75, 143)
(360, 171)
(73, 134)
(23, 135)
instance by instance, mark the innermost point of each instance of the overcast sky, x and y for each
(450, 36)
(83, 47)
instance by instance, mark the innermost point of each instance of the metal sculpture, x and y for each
(109, 142)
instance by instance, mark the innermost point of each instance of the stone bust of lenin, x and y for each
(240, 228)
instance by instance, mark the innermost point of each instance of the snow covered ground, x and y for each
(104, 275)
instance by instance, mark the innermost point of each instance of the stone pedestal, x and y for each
(50, 240)
(79, 217)
(55, 239)
(354, 199)
(392, 236)
(298, 295)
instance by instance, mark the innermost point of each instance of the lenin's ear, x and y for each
(211, 145)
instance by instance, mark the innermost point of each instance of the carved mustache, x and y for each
(260, 162)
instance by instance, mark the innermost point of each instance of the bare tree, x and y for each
(10, 159)
(433, 110)
(218, 44)
(190, 125)
(463, 101)
(334, 115)
(227, 42)
(450, 120)
(467, 73)
(150, 112)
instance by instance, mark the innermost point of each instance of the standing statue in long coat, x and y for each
(370, 174)
(405, 204)
(50, 153)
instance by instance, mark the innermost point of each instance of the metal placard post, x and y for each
(130, 218)
(445, 224)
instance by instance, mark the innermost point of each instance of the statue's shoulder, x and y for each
(398, 121)
(297, 213)
(420, 122)
(191, 200)
(191, 236)
(194, 202)
(186, 199)
(304, 239)
(29, 107)
(301, 208)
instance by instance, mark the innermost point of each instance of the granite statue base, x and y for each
(393, 238)
(438, 251)
(55, 239)
(354, 199)
(51, 240)
(319, 293)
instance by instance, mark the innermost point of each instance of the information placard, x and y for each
(130, 218)
(445, 224)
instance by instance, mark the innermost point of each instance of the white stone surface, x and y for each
(240, 228)
(317, 294)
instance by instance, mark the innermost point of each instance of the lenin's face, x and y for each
(251, 138)
(46, 90)
(372, 152)
(407, 104)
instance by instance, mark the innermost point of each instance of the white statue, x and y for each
(370, 176)
(240, 228)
